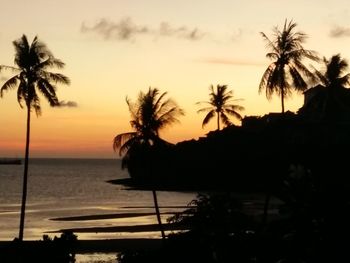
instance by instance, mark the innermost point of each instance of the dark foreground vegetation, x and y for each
(298, 168)
(253, 157)
(57, 250)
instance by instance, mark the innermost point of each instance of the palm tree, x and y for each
(334, 77)
(151, 113)
(286, 72)
(330, 99)
(220, 104)
(31, 64)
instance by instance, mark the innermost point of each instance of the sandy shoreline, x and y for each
(116, 229)
(106, 216)
(94, 246)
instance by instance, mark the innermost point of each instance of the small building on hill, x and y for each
(326, 104)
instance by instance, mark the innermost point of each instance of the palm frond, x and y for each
(55, 77)
(320, 76)
(169, 117)
(272, 55)
(208, 117)
(206, 109)
(9, 84)
(159, 102)
(51, 62)
(48, 91)
(345, 80)
(203, 102)
(304, 71)
(298, 81)
(270, 44)
(34, 103)
(225, 120)
(310, 54)
(21, 93)
(13, 69)
(234, 107)
(132, 108)
(234, 113)
(265, 82)
(121, 139)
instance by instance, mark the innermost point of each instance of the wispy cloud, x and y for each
(166, 29)
(125, 29)
(68, 104)
(237, 34)
(339, 31)
(224, 61)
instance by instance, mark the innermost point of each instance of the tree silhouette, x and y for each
(220, 104)
(286, 72)
(31, 64)
(149, 114)
(334, 77)
(330, 99)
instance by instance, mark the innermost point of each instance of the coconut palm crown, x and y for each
(287, 71)
(32, 62)
(221, 104)
(330, 99)
(334, 74)
(151, 113)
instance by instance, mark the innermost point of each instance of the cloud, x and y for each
(165, 29)
(339, 31)
(68, 104)
(224, 61)
(126, 30)
(237, 34)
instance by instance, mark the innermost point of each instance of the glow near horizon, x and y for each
(104, 71)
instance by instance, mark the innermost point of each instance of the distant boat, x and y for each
(10, 161)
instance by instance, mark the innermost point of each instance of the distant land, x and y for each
(8, 161)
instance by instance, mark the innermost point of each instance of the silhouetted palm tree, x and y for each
(286, 71)
(220, 104)
(31, 64)
(330, 99)
(334, 76)
(151, 113)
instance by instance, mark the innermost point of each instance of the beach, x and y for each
(74, 194)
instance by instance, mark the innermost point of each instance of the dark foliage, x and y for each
(311, 226)
(301, 163)
(250, 158)
(57, 250)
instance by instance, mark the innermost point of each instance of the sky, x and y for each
(117, 48)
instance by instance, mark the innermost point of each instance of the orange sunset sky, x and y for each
(116, 48)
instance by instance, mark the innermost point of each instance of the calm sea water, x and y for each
(75, 187)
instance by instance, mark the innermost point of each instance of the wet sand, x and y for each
(128, 229)
(106, 216)
(92, 246)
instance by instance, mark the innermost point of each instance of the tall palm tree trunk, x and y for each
(156, 206)
(282, 100)
(218, 121)
(25, 178)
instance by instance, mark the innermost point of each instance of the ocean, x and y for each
(60, 188)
